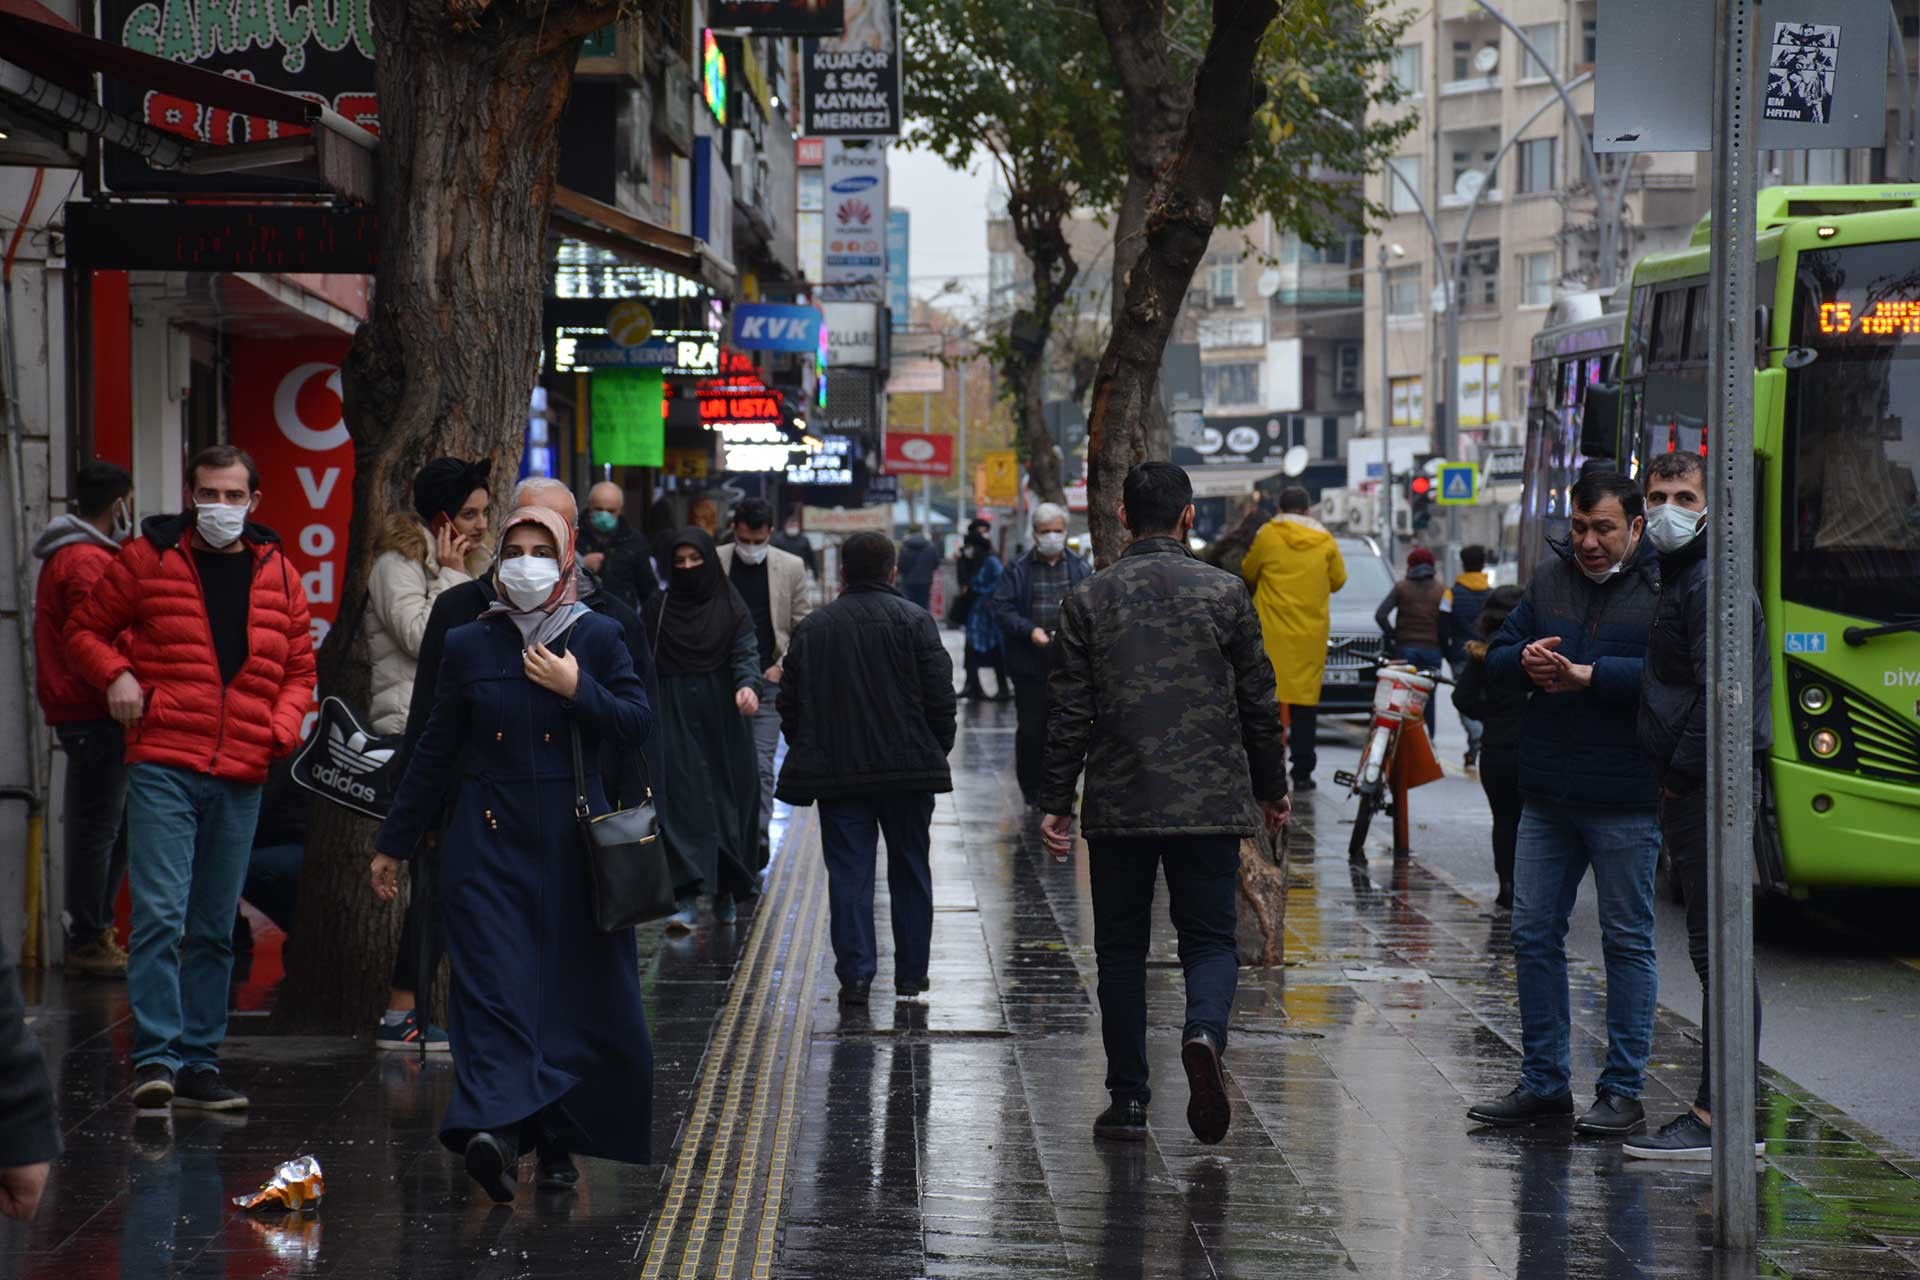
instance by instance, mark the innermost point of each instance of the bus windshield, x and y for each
(1851, 528)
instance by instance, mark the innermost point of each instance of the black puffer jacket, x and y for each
(867, 701)
(1673, 700)
(1498, 707)
(1162, 687)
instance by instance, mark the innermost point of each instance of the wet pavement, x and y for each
(951, 1138)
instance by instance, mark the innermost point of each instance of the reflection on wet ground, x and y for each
(951, 1138)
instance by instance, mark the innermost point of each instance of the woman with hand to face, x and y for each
(709, 663)
(545, 1007)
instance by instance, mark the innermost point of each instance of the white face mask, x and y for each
(1671, 526)
(528, 581)
(1608, 574)
(219, 524)
(1050, 544)
(750, 552)
(122, 521)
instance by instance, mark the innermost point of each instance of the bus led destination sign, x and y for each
(1885, 318)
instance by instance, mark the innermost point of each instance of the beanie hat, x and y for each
(1419, 555)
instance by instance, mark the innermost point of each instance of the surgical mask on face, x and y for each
(219, 524)
(603, 521)
(529, 581)
(793, 531)
(122, 521)
(1671, 526)
(750, 552)
(1607, 574)
(1050, 544)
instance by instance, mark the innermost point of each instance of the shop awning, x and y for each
(47, 68)
(1228, 482)
(584, 218)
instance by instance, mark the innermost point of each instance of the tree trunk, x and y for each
(1181, 212)
(1043, 463)
(470, 102)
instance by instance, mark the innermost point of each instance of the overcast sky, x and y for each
(949, 230)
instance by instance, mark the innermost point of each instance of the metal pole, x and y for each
(960, 507)
(1730, 643)
(1897, 44)
(1386, 415)
(926, 481)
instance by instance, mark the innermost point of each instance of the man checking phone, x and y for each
(1578, 642)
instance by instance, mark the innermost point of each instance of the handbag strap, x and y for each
(581, 809)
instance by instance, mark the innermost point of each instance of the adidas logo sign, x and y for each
(352, 759)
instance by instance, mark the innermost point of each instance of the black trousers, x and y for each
(96, 846)
(1030, 703)
(1302, 724)
(1203, 879)
(976, 662)
(1683, 826)
(1500, 779)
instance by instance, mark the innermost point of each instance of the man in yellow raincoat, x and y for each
(1293, 568)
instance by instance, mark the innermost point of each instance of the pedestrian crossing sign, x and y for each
(1459, 484)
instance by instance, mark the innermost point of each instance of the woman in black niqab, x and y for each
(709, 665)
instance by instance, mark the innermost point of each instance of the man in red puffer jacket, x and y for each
(74, 551)
(211, 686)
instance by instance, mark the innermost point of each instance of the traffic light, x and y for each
(1420, 501)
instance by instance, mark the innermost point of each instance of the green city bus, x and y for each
(1837, 526)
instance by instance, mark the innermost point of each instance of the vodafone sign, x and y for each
(910, 453)
(286, 412)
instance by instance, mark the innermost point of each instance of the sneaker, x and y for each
(683, 920)
(1471, 758)
(1208, 1110)
(494, 1164)
(1124, 1121)
(152, 1086)
(725, 910)
(554, 1170)
(1522, 1106)
(411, 1034)
(1685, 1137)
(202, 1089)
(98, 959)
(1612, 1116)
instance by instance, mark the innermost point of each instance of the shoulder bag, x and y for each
(633, 876)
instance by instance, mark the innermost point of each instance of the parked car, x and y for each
(1354, 642)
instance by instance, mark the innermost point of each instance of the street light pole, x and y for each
(1386, 413)
(1730, 688)
(960, 479)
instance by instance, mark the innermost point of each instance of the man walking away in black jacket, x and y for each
(867, 706)
(1162, 690)
(1673, 730)
(919, 562)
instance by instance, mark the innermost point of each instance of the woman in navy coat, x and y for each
(549, 1036)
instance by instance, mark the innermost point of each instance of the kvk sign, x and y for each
(772, 326)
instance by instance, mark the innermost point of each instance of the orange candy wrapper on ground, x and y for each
(296, 1185)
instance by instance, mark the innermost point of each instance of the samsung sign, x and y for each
(772, 326)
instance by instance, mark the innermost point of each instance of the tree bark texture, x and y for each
(471, 95)
(1181, 212)
(1039, 214)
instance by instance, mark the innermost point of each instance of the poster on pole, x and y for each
(850, 83)
(1822, 85)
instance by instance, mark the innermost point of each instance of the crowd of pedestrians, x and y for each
(537, 667)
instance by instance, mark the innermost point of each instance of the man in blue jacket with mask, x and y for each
(1578, 643)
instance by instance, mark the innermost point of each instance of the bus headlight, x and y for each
(1815, 699)
(1825, 743)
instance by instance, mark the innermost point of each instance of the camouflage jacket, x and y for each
(1162, 690)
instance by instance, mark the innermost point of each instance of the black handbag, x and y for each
(634, 878)
(348, 764)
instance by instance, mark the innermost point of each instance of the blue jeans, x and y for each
(188, 839)
(1557, 844)
(1203, 883)
(850, 833)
